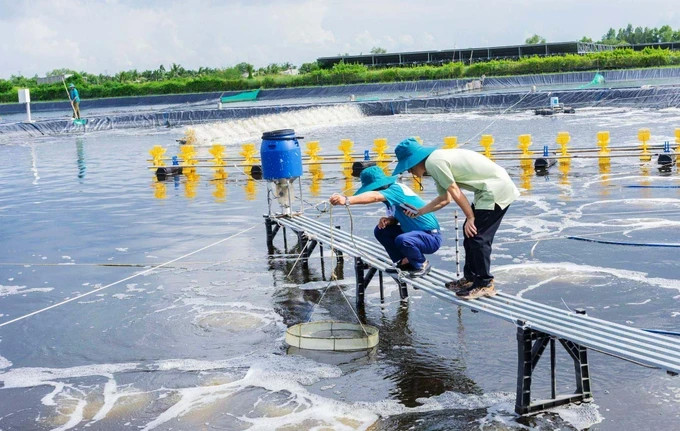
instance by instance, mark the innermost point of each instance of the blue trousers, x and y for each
(412, 245)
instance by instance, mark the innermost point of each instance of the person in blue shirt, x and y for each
(405, 239)
(75, 100)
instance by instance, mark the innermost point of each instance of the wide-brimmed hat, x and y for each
(409, 152)
(373, 178)
(71, 86)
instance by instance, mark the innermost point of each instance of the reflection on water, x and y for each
(605, 166)
(34, 165)
(80, 152)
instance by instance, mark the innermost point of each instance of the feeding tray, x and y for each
(332, 335)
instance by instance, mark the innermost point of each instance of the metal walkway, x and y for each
(537, 324)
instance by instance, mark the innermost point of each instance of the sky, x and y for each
(107, 36)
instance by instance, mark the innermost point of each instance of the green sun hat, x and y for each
(409, 152)
(373, 178)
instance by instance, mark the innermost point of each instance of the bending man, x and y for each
(405, 239)
(494, 191)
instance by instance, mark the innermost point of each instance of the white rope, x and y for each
(335, 278)
(309, 241)
(126, 279)
(467, 141)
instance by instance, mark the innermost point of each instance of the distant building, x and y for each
(468, 55)
(52, 79)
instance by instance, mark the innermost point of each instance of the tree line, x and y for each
(342, 73)
(627, 36)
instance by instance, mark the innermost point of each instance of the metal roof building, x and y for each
(467, 54)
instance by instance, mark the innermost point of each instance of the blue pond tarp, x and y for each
(409, 89)
(640, 97)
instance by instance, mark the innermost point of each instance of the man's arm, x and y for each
(435, 204)
(453, 193)
(459, 197)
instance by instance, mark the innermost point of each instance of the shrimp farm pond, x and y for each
(168, 312)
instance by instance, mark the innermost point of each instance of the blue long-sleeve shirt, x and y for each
(74, 95)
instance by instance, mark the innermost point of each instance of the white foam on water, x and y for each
(233, 132)
(500, 409)
(564, 268)
(534, 286)
(20, 290)
(581, 416)
(132, 287)
(211, 314)
(593, 216)
(646, 301)
(4, 362)
(285, 401)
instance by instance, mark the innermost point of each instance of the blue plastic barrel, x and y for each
(281, 156)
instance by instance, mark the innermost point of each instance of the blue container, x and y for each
(281, 156)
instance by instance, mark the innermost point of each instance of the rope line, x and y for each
(634, 244)
(66, 301)
(309, 241)
(334, 277)
(467, 141)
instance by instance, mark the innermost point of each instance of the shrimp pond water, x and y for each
(199, 342)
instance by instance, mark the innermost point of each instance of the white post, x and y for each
(25, 97)
(455, 216)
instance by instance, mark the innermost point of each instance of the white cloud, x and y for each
(406, 40)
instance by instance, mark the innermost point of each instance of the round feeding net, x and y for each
(332, 335)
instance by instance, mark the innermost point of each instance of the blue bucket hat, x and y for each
(409, 153)
(373, 178)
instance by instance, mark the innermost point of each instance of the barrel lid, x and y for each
(278, 133)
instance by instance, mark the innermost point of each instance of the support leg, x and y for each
(271, 227)
(530, 346)
(360, 286)
(524, 369)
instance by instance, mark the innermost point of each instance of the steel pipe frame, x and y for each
(547, 319)
(575, 331)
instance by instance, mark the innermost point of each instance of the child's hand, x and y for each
(384, 222)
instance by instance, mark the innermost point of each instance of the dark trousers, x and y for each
(412, 245)
(478, 248)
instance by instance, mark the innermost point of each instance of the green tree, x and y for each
(245, 68)
(309, 67)
(5, 86)
(378, 50)
(272, 69)
(535, 39)
(665, 33)
(586, 39)
(609, 36)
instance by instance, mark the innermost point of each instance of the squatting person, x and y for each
(405, 239)
(456, 169)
